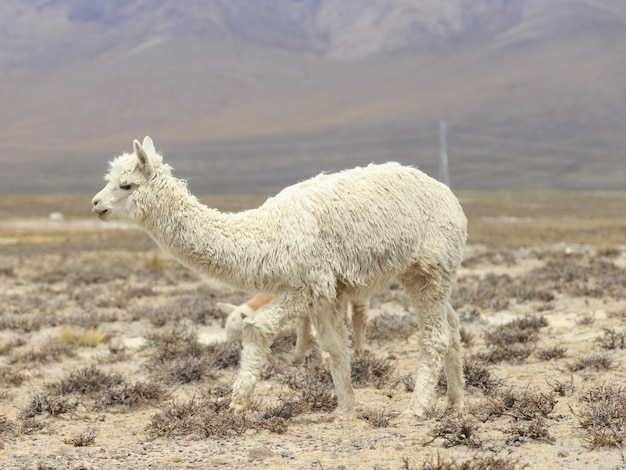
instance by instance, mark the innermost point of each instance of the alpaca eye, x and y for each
(125, 187)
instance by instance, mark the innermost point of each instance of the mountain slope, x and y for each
(532, 91)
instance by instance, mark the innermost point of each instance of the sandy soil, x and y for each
(52, 292)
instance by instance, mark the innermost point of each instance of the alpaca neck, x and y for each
(203, 239)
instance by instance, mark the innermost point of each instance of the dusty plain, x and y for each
(112, 355)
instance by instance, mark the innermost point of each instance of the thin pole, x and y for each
(444, 176)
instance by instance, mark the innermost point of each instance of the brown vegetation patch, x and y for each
(603, 415)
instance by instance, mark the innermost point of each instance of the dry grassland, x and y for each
(112, 354)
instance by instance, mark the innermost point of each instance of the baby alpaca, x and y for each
(315, 246)
(237, 313)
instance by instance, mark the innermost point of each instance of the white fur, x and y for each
(238, 313)
(315, 246)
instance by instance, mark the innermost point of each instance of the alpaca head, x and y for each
(130, 177)
(234, 321)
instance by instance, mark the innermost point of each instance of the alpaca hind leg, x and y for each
(258, 333)
(329, 321)
(453, 362)
(303, 338)
(430, 299)
(360, 319)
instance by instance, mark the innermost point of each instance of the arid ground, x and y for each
(112, 355)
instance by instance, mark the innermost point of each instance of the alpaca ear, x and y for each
(226, 308)
(145, 164)
(148, 146)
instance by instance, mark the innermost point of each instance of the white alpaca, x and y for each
(315, 246)
(238, 313)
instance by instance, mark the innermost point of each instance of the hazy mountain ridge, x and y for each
(533, 91)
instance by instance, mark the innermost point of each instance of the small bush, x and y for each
(455, 431)
(523, 331)
(613, 339)
(526, 405)
(509, 352)
(476, 375)
(87, 380)
(562, 389)
(603, 416)
(134, 395)
(378, 419)
(554, 352)
(477, 463)
(535, 429)
(596, 362)
(52, 405)
(369, 370)
(6, 425)
(82, 440)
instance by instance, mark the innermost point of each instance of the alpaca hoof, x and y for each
(344, 415)
(236, 408)
(412, 416)
(455, 403)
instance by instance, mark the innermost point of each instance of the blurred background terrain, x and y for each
(247, 96)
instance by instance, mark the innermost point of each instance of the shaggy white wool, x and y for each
(314, 246)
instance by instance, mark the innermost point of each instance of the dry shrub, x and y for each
(603, 415)
(12, 377)
(476, 375)
(388, 327)
(510, 352)
(83, 439)
(553, 352)
(178, 356)
(455, 430)
(192, 307)
(491, 292)
(597, 361)
(10, 345)
(85, 381)
(513, 341)
(368, 370)
(49, 352)
(535, 429)
(477, 463)
(132, 396)
(25, 321)
(178, 342)
(6, 425)
(562, 389)
(312, 387)
(53, 405)
(223, 355)
(178, 419)
(586, 319)
(211, 417)
(525, 405)
(494, 292)
(613, 339)
(581, 276)
(377, 418)
(522, 330)
(31, 426)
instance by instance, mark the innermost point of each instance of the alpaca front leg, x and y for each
(258, 333)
